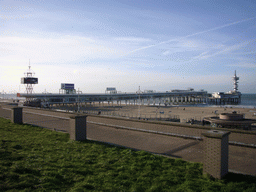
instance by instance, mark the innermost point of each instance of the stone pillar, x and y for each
(77, 130)
(216, 153)
(16, 115)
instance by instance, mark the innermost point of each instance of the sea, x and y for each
(247, 101)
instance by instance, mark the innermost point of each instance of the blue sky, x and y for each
(157, 45)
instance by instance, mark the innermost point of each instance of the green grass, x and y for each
(37, 159)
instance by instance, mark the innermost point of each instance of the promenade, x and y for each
(241, 159)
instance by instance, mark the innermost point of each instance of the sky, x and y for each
(158, 45)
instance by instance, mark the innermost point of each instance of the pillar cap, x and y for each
(216, 134)
(77, 116)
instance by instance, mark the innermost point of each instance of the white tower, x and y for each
(235, 78)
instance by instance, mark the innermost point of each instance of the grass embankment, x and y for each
(33, 159)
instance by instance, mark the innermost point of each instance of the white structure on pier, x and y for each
(235, 78)
(231, 97)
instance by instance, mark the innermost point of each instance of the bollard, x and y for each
(16, 115)
(77, 130)
(215, 153)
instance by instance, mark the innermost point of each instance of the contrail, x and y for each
(194, 34)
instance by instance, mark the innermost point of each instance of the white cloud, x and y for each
(222, 50)
(166, 52)
(132, 39)
(192, 43)
(244, 65)
(191, 35)
(58, 49)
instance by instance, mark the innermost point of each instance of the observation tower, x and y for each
(227, 98)
(235, 78)
(29, 80)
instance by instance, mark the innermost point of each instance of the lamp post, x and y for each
(78, 107)
(139, 103)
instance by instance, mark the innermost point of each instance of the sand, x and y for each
(184, 113)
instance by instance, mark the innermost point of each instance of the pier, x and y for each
(69, 96)
(142, 98)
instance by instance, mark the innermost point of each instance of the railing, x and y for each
(158, 116)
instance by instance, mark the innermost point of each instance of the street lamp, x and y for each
(78, 107)
(139, 103)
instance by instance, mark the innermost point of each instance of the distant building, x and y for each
(111, 90)
(149, 91)
(182, 91)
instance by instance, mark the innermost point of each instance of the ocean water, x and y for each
(247, 101)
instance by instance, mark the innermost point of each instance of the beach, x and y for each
(184, 113)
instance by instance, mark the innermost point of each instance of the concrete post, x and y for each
(216, 153)
(16, 115)
(77, 129)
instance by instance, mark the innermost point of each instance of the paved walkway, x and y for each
(241, 159)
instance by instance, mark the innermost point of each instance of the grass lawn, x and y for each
(37, 159)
